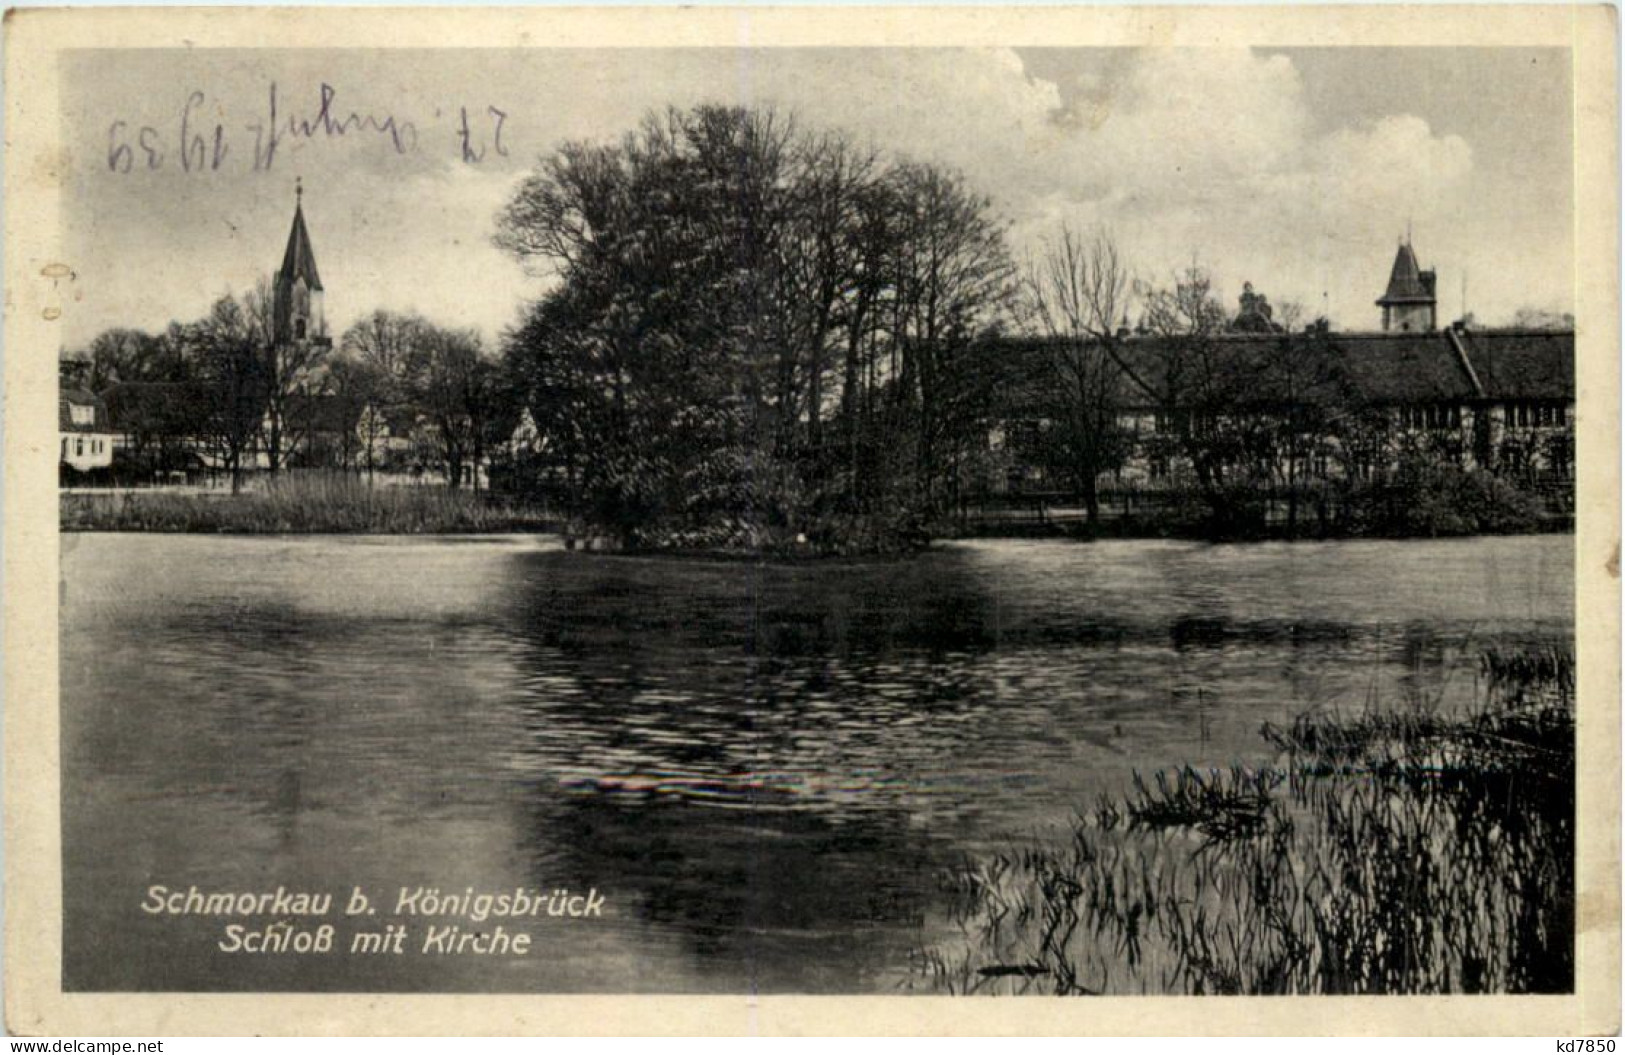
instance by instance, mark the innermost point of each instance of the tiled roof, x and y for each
(1241, 369)
(71, 397)
(1273, 369)
(1403, 367)
(1523, 364)
(323, 413)
(168, 408)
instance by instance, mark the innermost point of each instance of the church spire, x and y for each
(297, 289)
(300, 259)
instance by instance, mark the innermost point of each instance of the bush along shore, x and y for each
(1388, 852)
(303, 503)
(1420, 500)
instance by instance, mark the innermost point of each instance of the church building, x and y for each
(297, 289)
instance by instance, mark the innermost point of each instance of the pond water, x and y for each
(763, 770)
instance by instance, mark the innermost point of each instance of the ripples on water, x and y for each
(764, 767)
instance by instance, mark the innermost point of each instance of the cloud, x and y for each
(1213, 154)
(1185, 120)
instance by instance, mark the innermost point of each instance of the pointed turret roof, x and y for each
(300, 260)
(1405, 283)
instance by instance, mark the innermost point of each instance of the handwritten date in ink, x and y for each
(202, 139)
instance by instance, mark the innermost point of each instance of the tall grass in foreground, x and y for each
(1387, 853)
(300, 503)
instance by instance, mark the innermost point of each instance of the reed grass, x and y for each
(1384, 853)
(301, 503)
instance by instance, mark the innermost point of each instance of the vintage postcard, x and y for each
(795, 520)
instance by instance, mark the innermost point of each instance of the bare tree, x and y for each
(1198, 386)
(228, 347)
(357, 387)
(1248, 412)
(387, 340)
(1291, 315)
(1528, 318)
(445, 382)
(1076, 291)
(125, 355)
(1299, 401)
(371, 429)
(951, 276)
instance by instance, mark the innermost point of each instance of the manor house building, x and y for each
(1291, 409)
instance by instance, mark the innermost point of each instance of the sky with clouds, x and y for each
(1295, 169)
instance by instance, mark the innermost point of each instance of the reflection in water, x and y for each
(763, 768)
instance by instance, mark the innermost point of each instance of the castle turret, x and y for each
(298, 288)
(1410, 303)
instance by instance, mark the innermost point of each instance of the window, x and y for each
(82, 415)
(1432, 416)
(1536, 415)
(299, 329)
(79, 448)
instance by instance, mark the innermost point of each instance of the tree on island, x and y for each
(756, 333)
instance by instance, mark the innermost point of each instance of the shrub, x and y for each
(1432, 497)
(298, 503)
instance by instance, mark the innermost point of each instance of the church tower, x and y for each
(297, 289)
(1410, 303)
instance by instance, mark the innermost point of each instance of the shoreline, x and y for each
(342, 505)
(535, 529)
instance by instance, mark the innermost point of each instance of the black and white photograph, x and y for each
(1056, 519)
